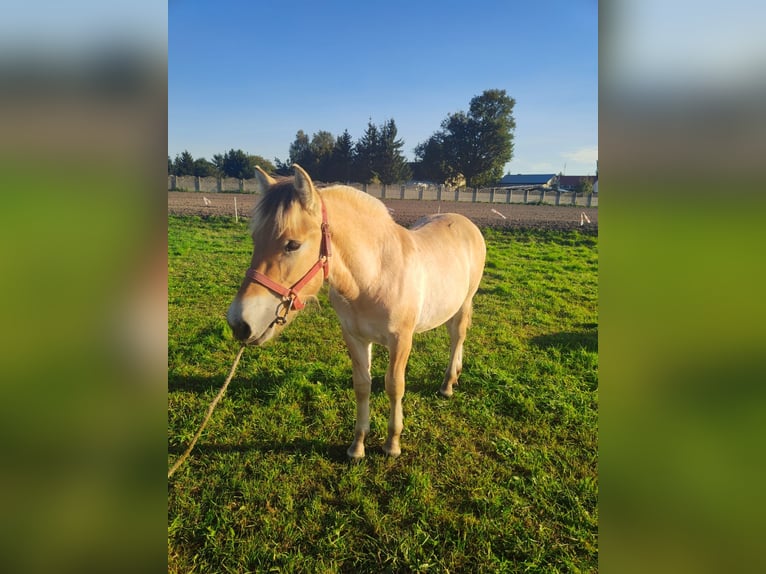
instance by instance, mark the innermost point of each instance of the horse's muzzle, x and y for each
(241, 330)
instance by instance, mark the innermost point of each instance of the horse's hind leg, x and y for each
(360, 353)
(457, 327)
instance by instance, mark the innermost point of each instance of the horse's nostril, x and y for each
(241, 331)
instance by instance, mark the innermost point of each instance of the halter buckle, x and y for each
(286, 305)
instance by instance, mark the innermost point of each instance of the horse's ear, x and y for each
(263, 180)
(305, 188)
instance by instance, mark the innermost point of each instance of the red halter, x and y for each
(290, 294)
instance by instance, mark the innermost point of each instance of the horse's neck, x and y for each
(358, 237)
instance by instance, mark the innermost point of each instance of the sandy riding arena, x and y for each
(407, 211)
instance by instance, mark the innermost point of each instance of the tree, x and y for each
(342, 159)
(282, 167)
(366, 153)
(184, 164)
(204, 168)
(378, 156)
(262, 162)
(476, 144)
(320, 155)
(299, 150)
(218, 163)
(585, 186)
(391, 165)
(236, 163)
(431, 160)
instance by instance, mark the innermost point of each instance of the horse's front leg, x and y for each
(399, 351)
(360, 353)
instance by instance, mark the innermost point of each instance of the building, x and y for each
(528, 180)
(572, 182)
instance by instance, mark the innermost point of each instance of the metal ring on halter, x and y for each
(287, 305)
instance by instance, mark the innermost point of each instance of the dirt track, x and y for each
(406, 212)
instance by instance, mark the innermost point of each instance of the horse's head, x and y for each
(290, 248)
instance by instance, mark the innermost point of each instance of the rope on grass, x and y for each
(210, 409)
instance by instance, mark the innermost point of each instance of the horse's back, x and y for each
(445, 232)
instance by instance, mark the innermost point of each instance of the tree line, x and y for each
(471, 148)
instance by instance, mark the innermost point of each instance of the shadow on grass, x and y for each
(300, 446)
(250, 388)
(570, 340)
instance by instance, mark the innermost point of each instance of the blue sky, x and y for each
(249, 75)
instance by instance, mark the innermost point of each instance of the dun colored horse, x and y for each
(386, 282)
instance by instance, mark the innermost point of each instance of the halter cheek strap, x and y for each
(290, 299)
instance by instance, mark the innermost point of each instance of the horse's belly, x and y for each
(431, 316)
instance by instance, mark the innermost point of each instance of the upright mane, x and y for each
(274, 213)
(362, 202)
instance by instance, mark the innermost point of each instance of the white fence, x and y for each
(420, 192)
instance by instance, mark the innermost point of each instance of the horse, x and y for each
(386, 282)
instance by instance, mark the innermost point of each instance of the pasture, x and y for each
(502, 477)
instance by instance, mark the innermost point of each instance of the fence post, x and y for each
(457, 194)
(241, 185)
(508, 195)
(558, 197)
(574, 198)
(526, 196)
(173, 183)
(474, 194)
(542, 195)
(590, 199)
(492, 195)
(420, 193)
(383, 191)
(439, 193)
(218, 184)
(364, 187)
(401, 192)
(196, 183)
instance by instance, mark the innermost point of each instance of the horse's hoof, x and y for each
(392, 452)
(446, 392)
(355, 455)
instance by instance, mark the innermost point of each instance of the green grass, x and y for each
(500, 478)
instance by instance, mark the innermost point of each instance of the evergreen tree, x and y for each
(236, 163)
(342, 159)
(184, 164)
(366, 154)
(391, 165)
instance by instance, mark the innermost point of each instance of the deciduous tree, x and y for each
(476, 144)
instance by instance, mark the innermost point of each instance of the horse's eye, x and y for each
(292, 246)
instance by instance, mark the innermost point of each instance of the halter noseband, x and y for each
(289, 295)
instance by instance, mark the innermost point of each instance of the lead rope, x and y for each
(210, 409)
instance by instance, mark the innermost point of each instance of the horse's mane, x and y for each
(362, 202)
(274, 209)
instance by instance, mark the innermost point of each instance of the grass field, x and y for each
(502, 477)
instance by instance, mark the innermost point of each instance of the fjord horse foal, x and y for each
(386, 282)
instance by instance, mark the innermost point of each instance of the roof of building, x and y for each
(527, 179)
(574, 180)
